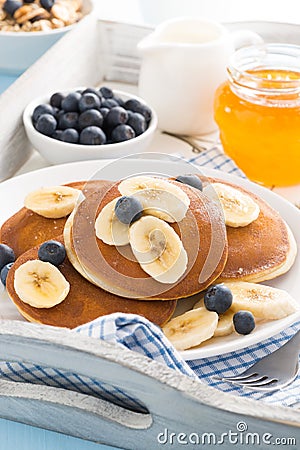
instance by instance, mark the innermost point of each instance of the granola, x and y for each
(32, 17)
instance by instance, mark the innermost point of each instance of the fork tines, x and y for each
(251, 380)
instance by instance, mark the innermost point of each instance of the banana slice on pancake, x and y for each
(239, 208)
(53, 202)
(108, 227)
(159, 197)
(191, 328)
(40, 284)
(158, 249)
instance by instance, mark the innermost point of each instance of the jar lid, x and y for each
(266, 73)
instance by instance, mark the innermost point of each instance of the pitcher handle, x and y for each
(242, 38)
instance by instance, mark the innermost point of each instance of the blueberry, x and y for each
(243, 322)
(89, 118)
(89, 101)
(4, 272)
(122, 133)
(46, 124)
(40, 110)
(116, 116)
(70, 135)
(92, 136)
(109, 103)
(137, 122)
(58, 114)
(55, 111)
(104, 112)
(7, 255)
(52, 252)
(47, 4)
(106, 92)
(218, 298)
(57, 135)
(68, 120)
(28, 1)
(92, 91)
(130, 113)
(191, 180)
(136, 106)
(11, 6)
(118, 100)
(56, 99)
(70, 102)
(36, 18)
(128, 209)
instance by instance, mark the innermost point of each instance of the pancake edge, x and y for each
(274, 272)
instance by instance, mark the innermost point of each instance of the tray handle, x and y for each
(175, 402)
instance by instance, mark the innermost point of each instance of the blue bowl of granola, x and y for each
(28, 30)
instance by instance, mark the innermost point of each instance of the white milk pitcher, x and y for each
(183, 62)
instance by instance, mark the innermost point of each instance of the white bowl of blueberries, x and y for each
(89, 123)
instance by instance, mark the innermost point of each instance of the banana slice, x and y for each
(53, 202)
(239, 209)
(158, 197)
(225, 322)
(40, 284)
(191, 328)
(264, 302)
(158, 249)
(108, 227)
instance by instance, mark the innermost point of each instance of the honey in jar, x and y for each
(258, 113)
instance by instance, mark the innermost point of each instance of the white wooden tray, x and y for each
(175, 402)
(93, 52)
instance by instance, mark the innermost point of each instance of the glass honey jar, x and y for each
(258, 113)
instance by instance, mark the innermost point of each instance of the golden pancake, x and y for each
(262, 250)
(115, 269)
(85, 301)
(26, 229)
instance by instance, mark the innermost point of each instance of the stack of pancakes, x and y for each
(105, 279)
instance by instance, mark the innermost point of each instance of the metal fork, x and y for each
(272, 372)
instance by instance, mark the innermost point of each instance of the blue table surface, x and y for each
(16, 436)
(6, 81)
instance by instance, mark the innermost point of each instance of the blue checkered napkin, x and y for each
(214, 158)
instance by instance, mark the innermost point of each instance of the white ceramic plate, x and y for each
(12, 194)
